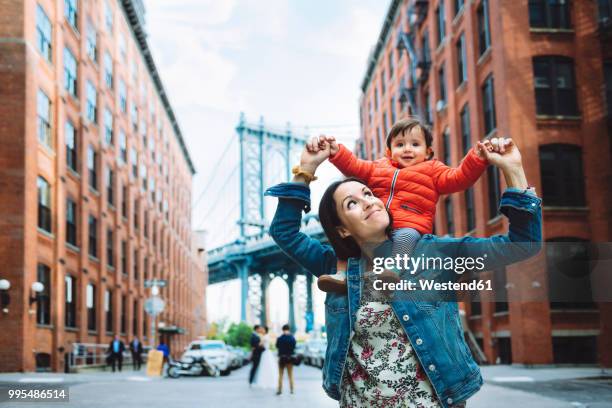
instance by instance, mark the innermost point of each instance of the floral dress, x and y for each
(382, 369)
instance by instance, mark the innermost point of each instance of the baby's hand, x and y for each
(332, 144)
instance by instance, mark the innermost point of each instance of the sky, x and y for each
(300, 62)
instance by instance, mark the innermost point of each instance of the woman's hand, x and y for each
(503, 153)
(315, 152)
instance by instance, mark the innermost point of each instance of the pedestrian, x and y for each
(163, 347)
(256, 350)
(285, 344)
(136, 349)
(115, 349)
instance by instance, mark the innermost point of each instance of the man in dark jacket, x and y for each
(136, 349)
(256, 350)
(286, 347)
(116, 349)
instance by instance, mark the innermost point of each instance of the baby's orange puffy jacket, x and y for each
(411, 193)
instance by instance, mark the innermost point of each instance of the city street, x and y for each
(505, 387)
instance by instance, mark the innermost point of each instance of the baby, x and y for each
(408, 181)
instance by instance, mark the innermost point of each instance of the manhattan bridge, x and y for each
(266, 155)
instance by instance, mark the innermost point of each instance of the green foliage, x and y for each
(238, 335)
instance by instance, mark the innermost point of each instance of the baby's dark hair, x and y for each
(406, 125)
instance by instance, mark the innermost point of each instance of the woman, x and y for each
(265, 376)
(399, 352)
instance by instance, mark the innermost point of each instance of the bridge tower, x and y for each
(266, 156)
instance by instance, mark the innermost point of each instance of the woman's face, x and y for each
(363, 216)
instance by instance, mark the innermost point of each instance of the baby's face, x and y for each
(409, 148)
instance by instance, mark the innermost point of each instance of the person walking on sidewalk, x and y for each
(136, 349)
(286, 347)
(116, 349)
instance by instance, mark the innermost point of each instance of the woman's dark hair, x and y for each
(328, 216)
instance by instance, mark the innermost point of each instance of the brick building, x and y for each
(95, 184)
(540, 72)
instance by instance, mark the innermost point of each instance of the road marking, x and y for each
(138, 379)
(41, 380)
(513, 379)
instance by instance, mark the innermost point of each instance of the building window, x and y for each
(145, 223)
(441, 21)
(393, 111)
(110, 186)
(71, 146)
(450, 224)
(43, 33)
(44, 204)
(425, 52)
(488, 105)
(136, 214)
(134, 116)
(461, 60)
(562, 185)
(122, 46)
(108, 70)
(442, 85)
(605, 11)
(110, 248)
(470, 214)
(134, 159)
(108, 127)
(92, 167)
(447, 148)
(122, 96)
(135, 318)
(135, 263)
(91, 306)
(484, 34)
(124, 200)
(143, 176)
(43, 311)
(458, 6)
(44, 119)
(476, 305)
(70, 303)
(376, 99)
(123, 313)
(145, 268)
(124, 269)
(122, 146)
(608, 78)
(382, 82)
(501, 292)
(555, 90)
(466, 138)
(494, 191)
(71, 222)
(568, 263)
(549, 13)
(391, 65)
(92, 102)
(108, 309)
(70, 72)
(92, 43)
(93, 236)
(108, 17)
(378, 141)
(70, 12)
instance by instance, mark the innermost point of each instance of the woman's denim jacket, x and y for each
(433, 326)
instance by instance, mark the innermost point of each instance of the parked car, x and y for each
(215, 351)
(237, 357)
(314, 352)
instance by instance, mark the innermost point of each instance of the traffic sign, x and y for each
(154, 305)
(162, 283)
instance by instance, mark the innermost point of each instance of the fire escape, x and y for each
(420, 62)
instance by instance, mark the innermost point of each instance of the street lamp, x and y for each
(36, 288)
(5, 298)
